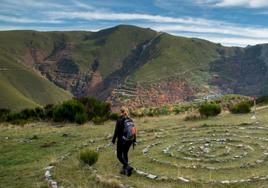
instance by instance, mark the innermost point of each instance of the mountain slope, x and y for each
(129, 65)
(22, 87)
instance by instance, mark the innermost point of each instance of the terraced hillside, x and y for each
(134, 66)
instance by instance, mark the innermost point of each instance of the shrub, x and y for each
(262, 100)
(3, 114)
(48, 111)
(114, 116)
(68, 110)
(137, 112)
(17, 118)
(164, 111)
(80, 118)
(88, 156)
(209, 109)
(240, 108)
(96, 108)
(39, 113)
(25, 116)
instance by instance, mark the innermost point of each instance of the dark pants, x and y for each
(122, 152)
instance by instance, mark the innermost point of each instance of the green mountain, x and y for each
(124, 65)
(21, 86)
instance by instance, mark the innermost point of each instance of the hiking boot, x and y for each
(129, 170)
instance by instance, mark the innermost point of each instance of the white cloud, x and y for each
(226, 29)
(13, 19)
(82, 5)
(235, 3)
(31, 3)
(129, 16)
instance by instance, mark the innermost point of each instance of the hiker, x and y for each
(125, 133)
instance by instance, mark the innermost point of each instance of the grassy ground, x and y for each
(24, 157)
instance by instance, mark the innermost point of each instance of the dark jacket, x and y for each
(119, 129)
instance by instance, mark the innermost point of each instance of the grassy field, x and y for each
(225, 151)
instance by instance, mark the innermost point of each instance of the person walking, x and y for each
(125, 133)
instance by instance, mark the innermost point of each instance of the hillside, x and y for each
(128, 64)
(22, 87)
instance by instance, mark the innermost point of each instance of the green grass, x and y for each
(176, 56)
(23, 160)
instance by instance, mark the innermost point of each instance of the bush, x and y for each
(137, 112)
(262, 100)
(68, 110)
(25, 116)
(95, 108)
(3, 114)
(48, 111)
(114, 116)
(241, 108)
(80, 118)
(209, 109)
(164, 111)
(39, 113)
(88, 156)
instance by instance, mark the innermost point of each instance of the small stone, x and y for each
(54, 184)
(151, 176)
(49, 168)
(141, 173)
(225, 182)
(259, 161)
(47, 174)
(183, 179)
(145, 151)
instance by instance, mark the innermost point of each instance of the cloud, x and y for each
(112, 16)
(227, 29)
(13, 19)
(82, 5)
(31, 3)
(235, 3)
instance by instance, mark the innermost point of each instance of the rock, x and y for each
(47, 174)
(259, 161)
(151, 176)
(145, 151)
(49, 168)
(141, 173)
(54, 184)
(183, 179)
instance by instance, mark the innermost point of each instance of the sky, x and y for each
(229, 22)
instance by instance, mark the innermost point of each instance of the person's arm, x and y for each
(115, 131)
